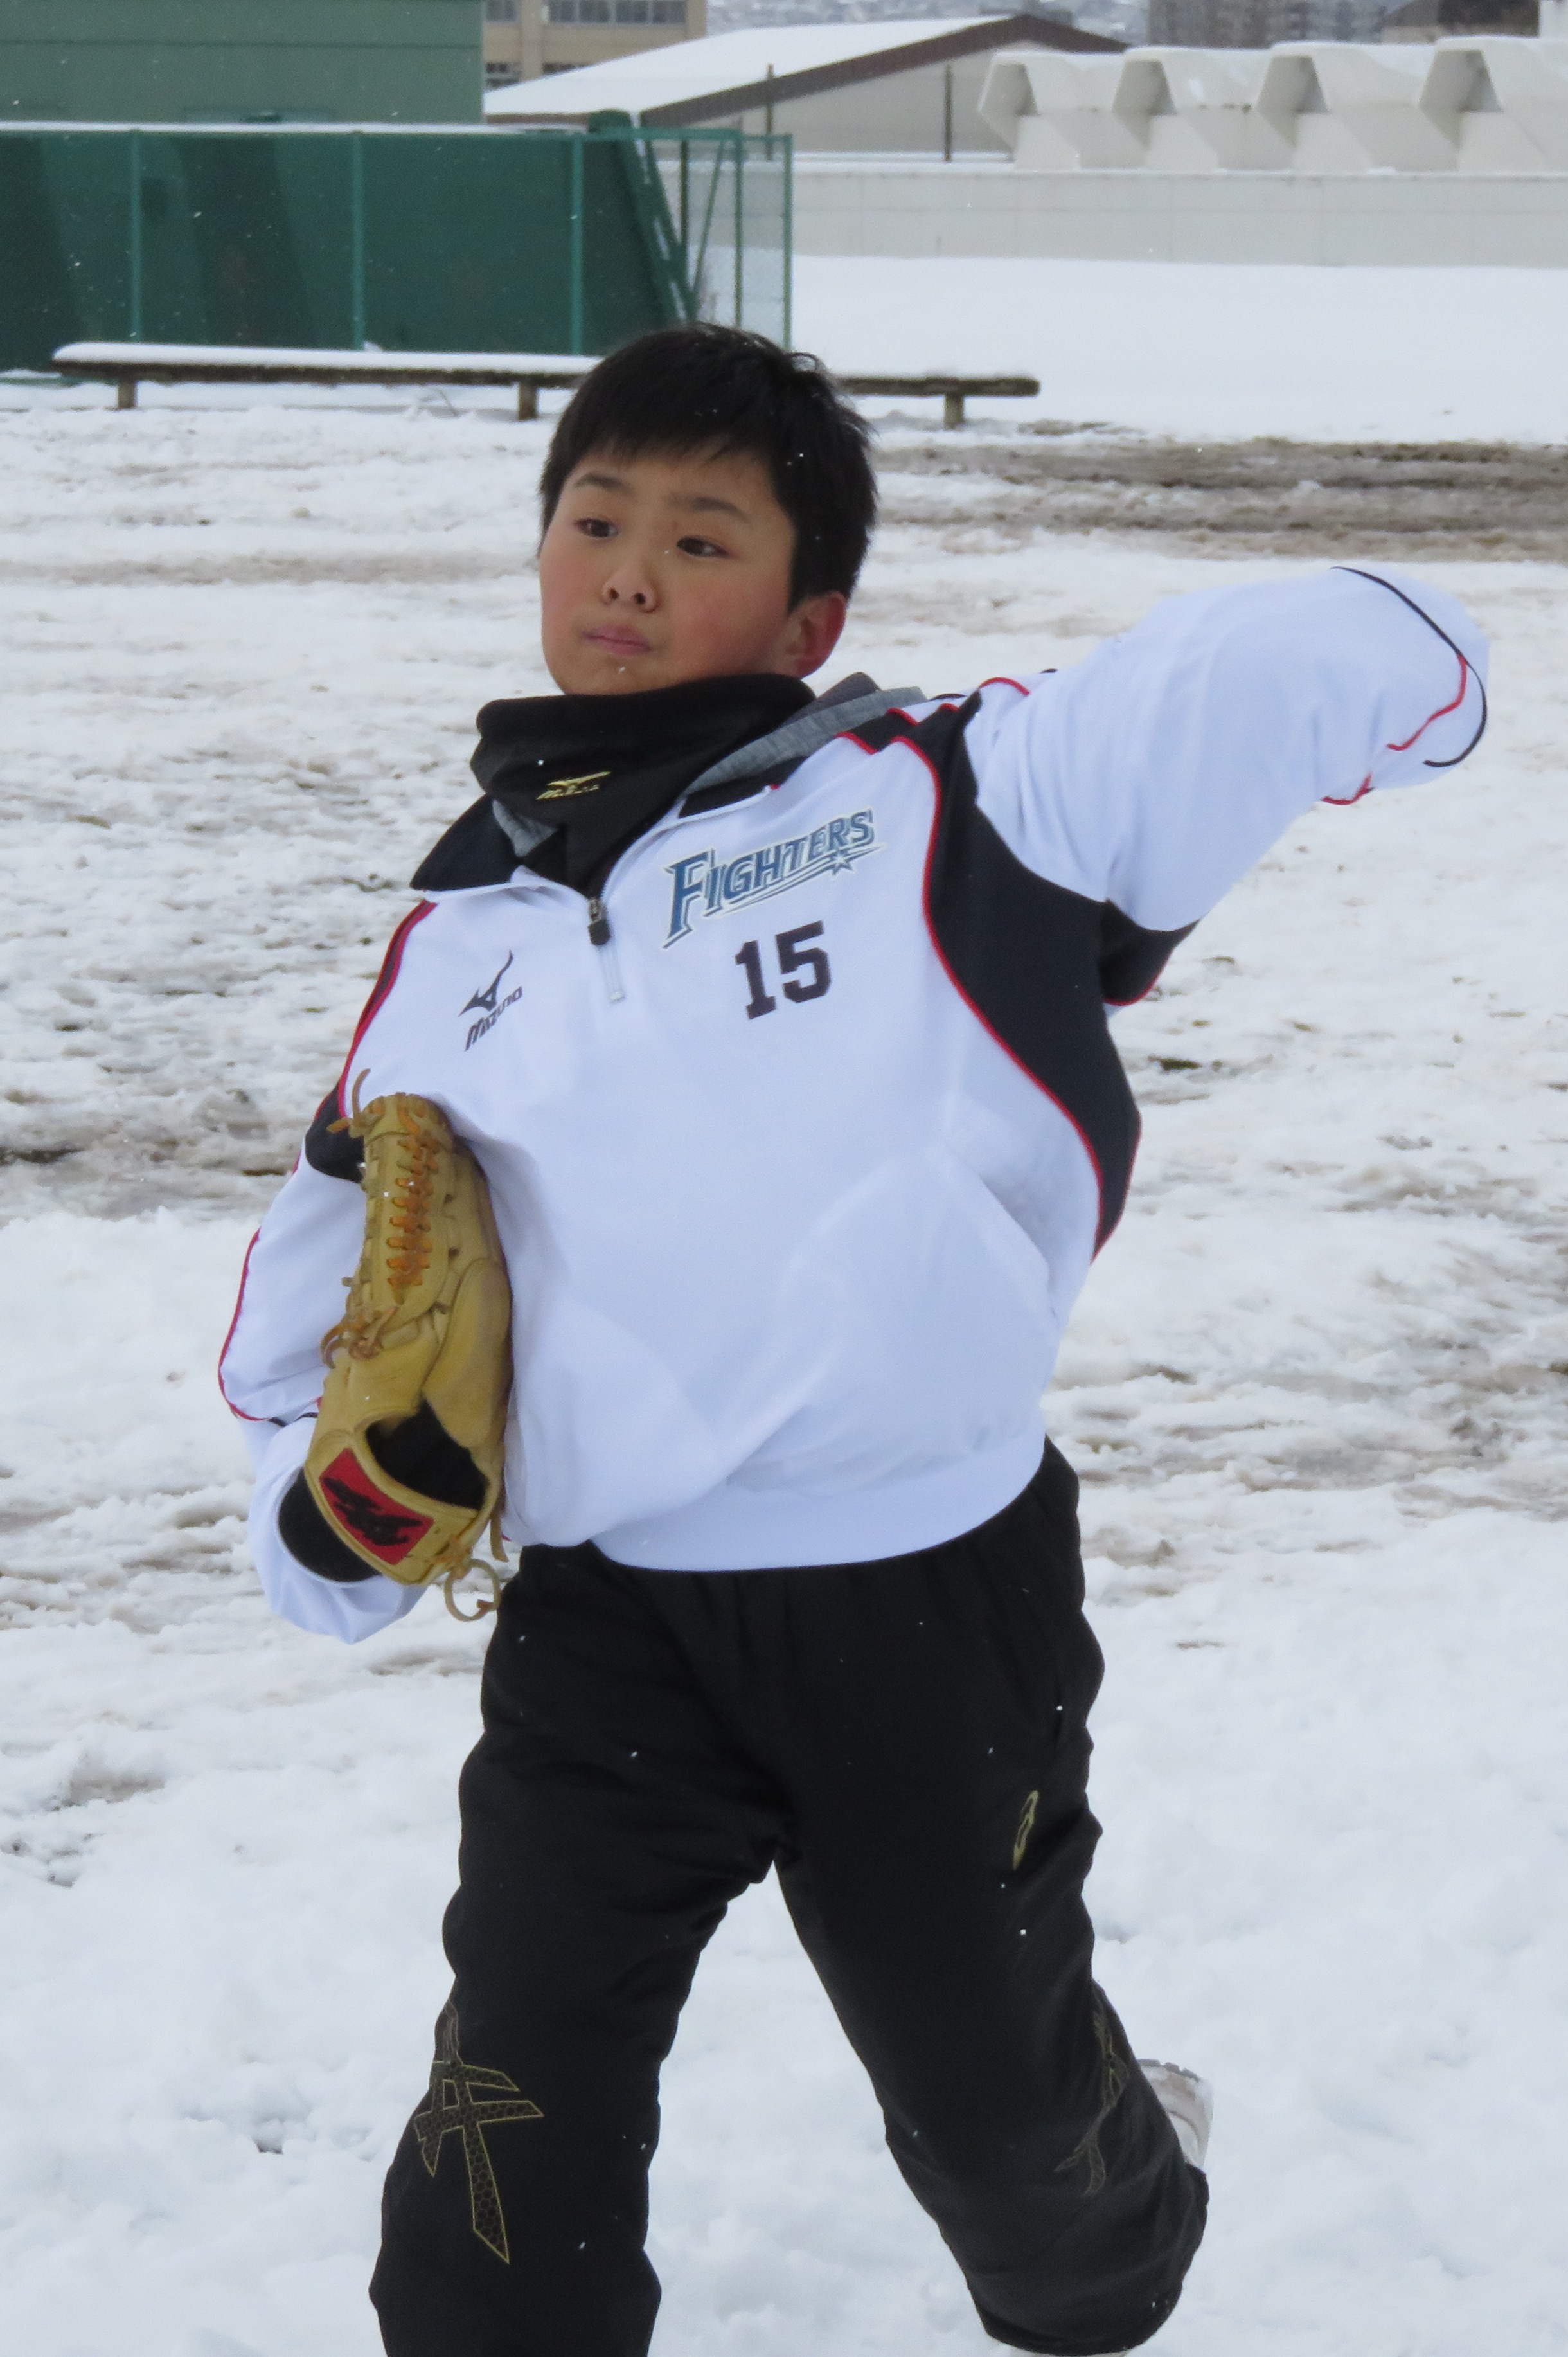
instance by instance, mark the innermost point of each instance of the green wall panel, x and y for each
(242, 240)
(467, 245)
(242, 60)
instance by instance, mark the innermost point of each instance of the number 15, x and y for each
(793, 959)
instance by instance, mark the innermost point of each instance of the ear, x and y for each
(811, 633)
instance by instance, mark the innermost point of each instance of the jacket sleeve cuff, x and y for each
(326, 1607)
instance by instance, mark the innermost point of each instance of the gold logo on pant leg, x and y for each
(453, 2109)
(1115, 2076)
(1026, 1828)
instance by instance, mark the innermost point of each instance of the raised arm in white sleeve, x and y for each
(1156, 772)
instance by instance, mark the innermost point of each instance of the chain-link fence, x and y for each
(729, 197)
(429, 239)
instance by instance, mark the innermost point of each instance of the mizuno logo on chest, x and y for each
(706, 885)
(489, 1006)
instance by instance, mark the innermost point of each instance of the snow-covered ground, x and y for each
(1318, 1390)
(1220, 348)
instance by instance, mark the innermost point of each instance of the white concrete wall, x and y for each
(1455, 151)
(1424, 218)
(1476, 104)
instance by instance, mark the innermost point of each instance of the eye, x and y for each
(694, 546)
(595, 527)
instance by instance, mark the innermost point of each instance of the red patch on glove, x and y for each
(366, 1514)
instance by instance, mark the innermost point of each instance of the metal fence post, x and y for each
(135, 241)
(574, 262)
(739, 230)
(357, 327)
(788, 241)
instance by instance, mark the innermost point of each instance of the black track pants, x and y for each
(905, 1741)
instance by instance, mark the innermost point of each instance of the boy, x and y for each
(778, 1027)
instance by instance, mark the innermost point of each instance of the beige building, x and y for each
(908, 87)
(526, 38)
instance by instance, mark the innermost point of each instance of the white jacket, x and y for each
(799, 1174)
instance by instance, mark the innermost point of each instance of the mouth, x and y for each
(618, 640)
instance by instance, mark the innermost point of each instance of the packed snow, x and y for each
(1214, 347)
(1317, 1390)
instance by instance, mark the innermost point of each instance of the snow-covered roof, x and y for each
(684, 72)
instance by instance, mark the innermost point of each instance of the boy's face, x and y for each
(666, 568)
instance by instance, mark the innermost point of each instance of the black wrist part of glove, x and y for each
(311, 1540)
(422, 1454)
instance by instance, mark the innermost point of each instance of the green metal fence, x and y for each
(431, 240)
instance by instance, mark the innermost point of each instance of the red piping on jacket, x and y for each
(1346, 802)
(1441, 711)
(1138, 996)
(223, 1354)
(391, 966)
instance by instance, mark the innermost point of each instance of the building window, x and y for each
(501, 70)
(501, 12)
(615, 12)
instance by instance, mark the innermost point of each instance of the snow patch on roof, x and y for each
(688, 70)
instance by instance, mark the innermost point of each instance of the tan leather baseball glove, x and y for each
(420, 1364)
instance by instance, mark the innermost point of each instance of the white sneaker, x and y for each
(1187, 2102)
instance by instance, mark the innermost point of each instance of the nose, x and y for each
(628, 587)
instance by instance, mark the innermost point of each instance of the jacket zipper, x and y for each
(600, 936)
(598, 915)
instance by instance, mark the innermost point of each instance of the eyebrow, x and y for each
(708, 504)
(702, 503)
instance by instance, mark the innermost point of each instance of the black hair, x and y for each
(726, 389)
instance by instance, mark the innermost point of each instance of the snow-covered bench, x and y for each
(953, 391)
(128, 365)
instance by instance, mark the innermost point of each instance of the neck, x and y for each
(579, 778)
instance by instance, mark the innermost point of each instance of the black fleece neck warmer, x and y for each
(598, 770)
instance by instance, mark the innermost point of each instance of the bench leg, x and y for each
(527, 403)
(952, 411)
(125, 393)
